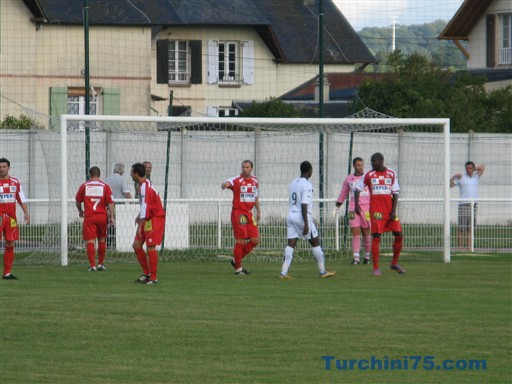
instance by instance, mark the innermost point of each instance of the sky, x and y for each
(380, 13)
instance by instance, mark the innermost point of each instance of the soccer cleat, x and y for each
(9, 276)
(152, 282)
(397, 268)
(101, 267)
(354, 262)
(366, 260)
(143, 279)
(91, 269)
(327, 274)
(377, 272)
(284, 277)
(242, 272)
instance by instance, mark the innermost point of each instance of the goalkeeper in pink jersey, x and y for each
(359, 223)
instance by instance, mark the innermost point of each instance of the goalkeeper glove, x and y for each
(335, 212)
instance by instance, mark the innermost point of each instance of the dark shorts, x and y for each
(465, 217)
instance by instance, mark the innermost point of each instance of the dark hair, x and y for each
(356, 159)
(4, 160)
(139, 169)
(305, 167)
(465, 165)
(94, 172)
(248, 161)
(378, 156)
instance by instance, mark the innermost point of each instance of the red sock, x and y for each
(8, 259)
(91, 254)
(397, 249)
(375, 252)
(153, 263)
(248, 247)
(143, 260)
(238, 253)
(102, 250)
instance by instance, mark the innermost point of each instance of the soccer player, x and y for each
(10, 193)
(300, 223)
(358, 223)
(150, 226)
(384, 189)
(95, 195)
(245, 189)
(468, 186)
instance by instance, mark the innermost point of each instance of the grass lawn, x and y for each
(203, 324)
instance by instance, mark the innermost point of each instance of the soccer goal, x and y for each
(192, 156)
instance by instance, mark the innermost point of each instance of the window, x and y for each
(179, 71)
(505, 51)
(230, 62)
(222, 112)
(178, 62)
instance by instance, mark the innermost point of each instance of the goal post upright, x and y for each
(63, 191)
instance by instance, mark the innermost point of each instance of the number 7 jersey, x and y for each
(95, 194)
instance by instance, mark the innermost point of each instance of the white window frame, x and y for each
(179, 74)
(505, 51)
(94, 106)
(239, 55)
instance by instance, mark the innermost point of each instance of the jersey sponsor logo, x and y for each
(7, 197)
(247, 197)
(381, 190)
(375, 181)
(377, 216)
(243, 188)
(388, 181)
(94, 190)
(12, 188)
(242, 219)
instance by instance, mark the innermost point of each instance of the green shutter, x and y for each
(111, 101)
(58, 105)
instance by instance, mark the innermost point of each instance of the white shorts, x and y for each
(295, 227)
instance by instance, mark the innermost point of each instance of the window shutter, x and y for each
(248, 62)
(213, 61)
(58, 105)
(491, 41)
(196, 62)
(212, 111)
(111, 101)
(162, 61)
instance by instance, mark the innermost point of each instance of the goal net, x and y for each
(192, 156)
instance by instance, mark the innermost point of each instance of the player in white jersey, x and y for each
(300, 223)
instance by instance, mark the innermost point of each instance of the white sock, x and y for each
(320, 260)
(288, 257)
(356, 256)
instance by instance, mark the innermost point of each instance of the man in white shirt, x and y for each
(468, 186)
(300, 223)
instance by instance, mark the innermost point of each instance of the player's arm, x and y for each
(79, 207)
(394, 205)
(454, 177)
(26, 216)
(257, 206)
(480, 169)
(304, 211)
(111, 212)
(226, 184)
(341, 198)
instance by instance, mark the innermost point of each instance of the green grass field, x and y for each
(203, 324)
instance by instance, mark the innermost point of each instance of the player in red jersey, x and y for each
(245, 225)
(150, 226)
(10, 193)
(383, 186)
(95, 195)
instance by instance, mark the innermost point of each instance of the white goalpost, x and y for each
(205, 151)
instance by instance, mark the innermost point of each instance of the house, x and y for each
(206, 54)
(486, 26)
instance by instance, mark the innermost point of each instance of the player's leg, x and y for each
(396, 228)
(239, 224)
(253, 234)
(102, 252)
(317, 251)
(367, 235)
(154, 237)
(356, 244)
(294, 229)
(89, 232)
(142, 258)
(10, 231)
(377, 230)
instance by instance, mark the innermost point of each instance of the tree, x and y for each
(271, 107)
(419, 87)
